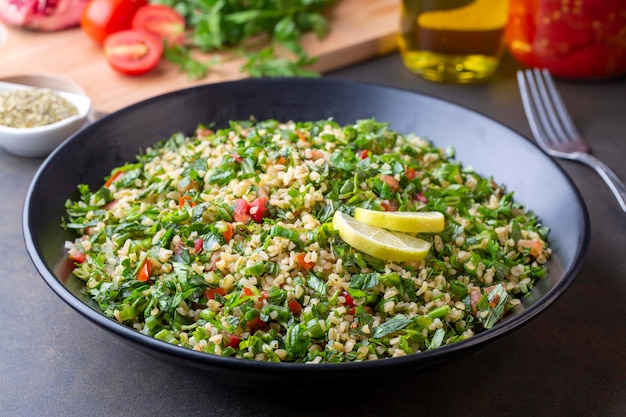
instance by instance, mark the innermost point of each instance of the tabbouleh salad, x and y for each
(223, 243)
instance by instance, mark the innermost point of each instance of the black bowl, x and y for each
(492, 149)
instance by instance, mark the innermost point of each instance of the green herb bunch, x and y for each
(254, 29)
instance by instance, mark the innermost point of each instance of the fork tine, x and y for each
(565, 121)
(549, 98)
(544, 107)
(528, 91)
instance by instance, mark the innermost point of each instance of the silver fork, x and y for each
(554, 129)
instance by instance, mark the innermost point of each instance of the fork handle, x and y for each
(610, 178)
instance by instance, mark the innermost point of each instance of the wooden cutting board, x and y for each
(360, 29)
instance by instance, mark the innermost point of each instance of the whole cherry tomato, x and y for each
(132, 52)
(162, 21)
(101, 18)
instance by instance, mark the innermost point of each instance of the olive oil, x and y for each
(458, 41)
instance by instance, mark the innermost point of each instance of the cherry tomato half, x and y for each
(101, 18)
(132, 52)
(162, 21)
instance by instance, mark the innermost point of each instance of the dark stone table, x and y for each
(570, 361)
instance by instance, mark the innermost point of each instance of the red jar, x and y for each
(571, 38)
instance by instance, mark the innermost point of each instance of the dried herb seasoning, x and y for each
(33, 107)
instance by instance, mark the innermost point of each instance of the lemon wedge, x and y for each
(402, 221)
(379, 242)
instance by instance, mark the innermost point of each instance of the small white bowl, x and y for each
(37, 142)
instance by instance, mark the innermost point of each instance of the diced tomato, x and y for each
(494, 301)
(349, 300)
(185, 199)
(197, 245)
(132, 52)
(246, 292)
(534, 246)
(101, 18)
(231, 340)
(240, 211)
(389, 205)
(209, 293)
(301, 136)
(76, 255)
(393, 184)
(363, 153)
(228, 234)
(294, 306)
(256, 323)
(281, 160)
(226, 229)
(257, 209)
(144, 272)
(258, 303)
(302, 262)
(410, 173)
(162, 21)
(421, 198)
(114, 177)
(476, 295)
(236, 157)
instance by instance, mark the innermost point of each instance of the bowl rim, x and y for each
(81, 101)
(479, 340)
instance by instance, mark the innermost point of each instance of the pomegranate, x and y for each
(44, 15)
